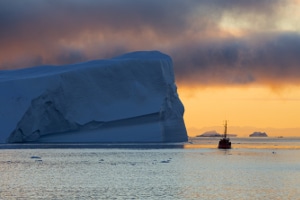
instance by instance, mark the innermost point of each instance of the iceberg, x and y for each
(129, 98)
(258, 134)
(212, 133)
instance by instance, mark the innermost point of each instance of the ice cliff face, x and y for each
(131, 98)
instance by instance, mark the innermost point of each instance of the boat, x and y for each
(225, 143)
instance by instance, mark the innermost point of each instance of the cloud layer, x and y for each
(211, 42)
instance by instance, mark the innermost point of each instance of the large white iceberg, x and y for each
(130, 98)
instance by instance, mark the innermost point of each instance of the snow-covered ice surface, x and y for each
(130, 98)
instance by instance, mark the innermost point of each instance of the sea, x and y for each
(255, 168)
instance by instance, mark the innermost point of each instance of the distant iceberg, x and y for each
(130, 98)
(258, 134)
(212, 133)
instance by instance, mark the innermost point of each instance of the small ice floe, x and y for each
(165, 161)
(7, 162)
(154, 162)
(35, 157)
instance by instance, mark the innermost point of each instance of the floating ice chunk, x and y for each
(130, 98)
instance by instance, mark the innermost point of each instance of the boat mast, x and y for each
(225, 129)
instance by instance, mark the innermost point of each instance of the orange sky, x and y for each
(247, 109)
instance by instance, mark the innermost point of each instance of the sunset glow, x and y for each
(251, 107)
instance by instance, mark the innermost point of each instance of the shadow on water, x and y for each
(94, 145)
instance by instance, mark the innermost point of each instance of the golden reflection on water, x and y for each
(245, 143)
(241, 146)
(165, 172)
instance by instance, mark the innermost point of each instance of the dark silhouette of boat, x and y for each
(225, 143)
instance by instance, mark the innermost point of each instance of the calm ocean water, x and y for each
(256, 168)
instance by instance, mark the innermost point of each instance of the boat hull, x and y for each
(224, 144)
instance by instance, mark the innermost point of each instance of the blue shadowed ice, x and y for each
(130, 98)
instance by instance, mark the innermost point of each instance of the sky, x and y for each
(236, 59)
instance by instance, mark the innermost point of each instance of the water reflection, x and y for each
(168, 173)
(193, 143)
(246, 143)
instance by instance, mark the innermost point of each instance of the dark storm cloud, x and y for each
(33, 27)
(58, 32)
(73, 17)
(264, 58)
